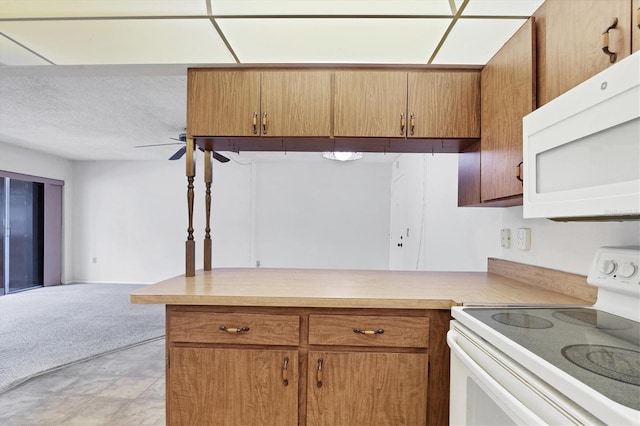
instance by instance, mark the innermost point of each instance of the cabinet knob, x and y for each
(605, 41)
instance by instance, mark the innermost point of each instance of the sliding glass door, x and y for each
(22, 218)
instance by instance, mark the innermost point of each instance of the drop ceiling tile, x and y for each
(401, 41)
(500, 7)
(147, 41)
(12, 53)
(333, 7)
(77, 8)
(475, 41)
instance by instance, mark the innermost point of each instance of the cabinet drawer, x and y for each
(259, 329)
(360, 330)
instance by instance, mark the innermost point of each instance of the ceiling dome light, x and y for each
(342, 156)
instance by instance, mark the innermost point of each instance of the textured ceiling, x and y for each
(90, 80)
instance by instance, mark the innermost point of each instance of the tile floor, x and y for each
(120, 388)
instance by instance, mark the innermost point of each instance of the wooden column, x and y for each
(190, 257)
(207, 230)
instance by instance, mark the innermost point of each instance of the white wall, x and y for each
(28, 162)
(566, 246)
(322, 214)
(442, 236)
(131, 217)
(462, 238)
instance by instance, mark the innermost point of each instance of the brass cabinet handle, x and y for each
(369, 332)
(519, 171)
(285, 366)
(233, 330)
(402, 123)
(255, 123)
(412, 123)
(264, 123)
(605, 41)
(319, 373)
(638, 18)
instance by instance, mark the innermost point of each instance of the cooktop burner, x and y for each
(618, 364)
(522, 320)
(589, 318)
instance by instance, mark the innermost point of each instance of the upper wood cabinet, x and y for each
(223, 103)
(394, 104)
(296, 103)
(570, 44)
(254, 103)
(635, 26)
(370, 104)
(508, 94)
(444, 104)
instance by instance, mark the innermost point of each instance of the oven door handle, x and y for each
(507, 402)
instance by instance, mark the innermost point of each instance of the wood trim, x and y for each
(566, 283)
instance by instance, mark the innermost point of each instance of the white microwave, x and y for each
(582, 150)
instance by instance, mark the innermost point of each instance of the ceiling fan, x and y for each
(182, 140)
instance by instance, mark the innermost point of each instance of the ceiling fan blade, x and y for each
(158, 144)
(179, 153)
(221, 158)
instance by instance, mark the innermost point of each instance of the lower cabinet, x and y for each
(313, 366)
(232, 386)
(355, 388)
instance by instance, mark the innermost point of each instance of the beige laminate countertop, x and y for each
(345, 289)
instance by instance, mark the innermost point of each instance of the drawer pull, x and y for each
(233, 330)
(285, 376)
(319, 373)
(255, 123)
(605, 41)
(369, 332)
(402, 123)
(412, 123)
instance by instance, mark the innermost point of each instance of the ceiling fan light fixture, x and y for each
(342, 156)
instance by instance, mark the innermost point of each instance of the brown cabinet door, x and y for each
(367, 388)
(508, 94)
(635, 26)
(297, 103)
(223, 103)
(231, 387)
(444, 104)
(573, 50)
(370, 104)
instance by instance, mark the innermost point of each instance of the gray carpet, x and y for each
(46, 328)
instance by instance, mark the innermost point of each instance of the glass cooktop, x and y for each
(599, 349)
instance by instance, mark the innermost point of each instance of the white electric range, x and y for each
(553, 365)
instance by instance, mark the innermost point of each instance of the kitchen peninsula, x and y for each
(296, 346)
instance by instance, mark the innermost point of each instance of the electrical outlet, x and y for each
(505, 238)
(523, 239)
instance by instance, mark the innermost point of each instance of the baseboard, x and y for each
(109, 282)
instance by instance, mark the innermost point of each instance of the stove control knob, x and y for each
(628, 270)
(608, 267)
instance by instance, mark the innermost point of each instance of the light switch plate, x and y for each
(522, 238)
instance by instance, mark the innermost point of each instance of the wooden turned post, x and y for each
(190, 247)
(207, 201)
